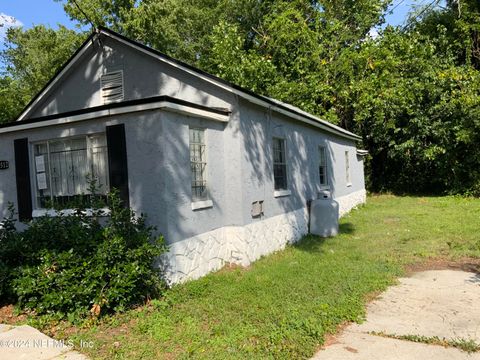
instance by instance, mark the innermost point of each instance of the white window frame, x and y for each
(205, 201)
(347, 168)
(325, 184)
(38, 209)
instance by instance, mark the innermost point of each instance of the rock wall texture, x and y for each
(197, 256)
(348, 202)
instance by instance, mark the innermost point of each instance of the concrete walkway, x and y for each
(25, 342)
(443, 304)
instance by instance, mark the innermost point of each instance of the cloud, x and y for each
(7, 21)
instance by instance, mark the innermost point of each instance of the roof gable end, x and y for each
(263, 101)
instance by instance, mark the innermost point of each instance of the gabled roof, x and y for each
(275, 105)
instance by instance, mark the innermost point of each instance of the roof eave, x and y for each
(244, 93)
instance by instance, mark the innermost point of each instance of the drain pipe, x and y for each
(309, 209)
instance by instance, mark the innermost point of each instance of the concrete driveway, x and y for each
(427, 316)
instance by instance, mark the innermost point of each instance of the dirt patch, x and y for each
(8, 316)
(463, 264)
(331, 339)
(350, 349)
(231, 267)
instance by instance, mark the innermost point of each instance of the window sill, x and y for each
(349, 184)
(282, 193)
(67, 212)
(197, 205)
(324, 187)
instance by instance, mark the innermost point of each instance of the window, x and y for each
(279, 164)
(112, 87)
(65, 168)
(322, 167)
(347, 168)
(198, 164)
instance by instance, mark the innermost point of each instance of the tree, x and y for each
(461, 22)
(31, 58)
(412, 93)
(109, 13)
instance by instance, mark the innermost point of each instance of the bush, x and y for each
(72, 265)
(9, 255)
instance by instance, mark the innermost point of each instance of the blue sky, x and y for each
(29, 12)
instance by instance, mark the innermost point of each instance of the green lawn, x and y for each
(284, 305)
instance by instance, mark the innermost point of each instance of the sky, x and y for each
(49, 12)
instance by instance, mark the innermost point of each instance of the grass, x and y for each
(285, 305)
(469, 346)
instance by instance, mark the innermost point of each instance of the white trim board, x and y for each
(162, 105)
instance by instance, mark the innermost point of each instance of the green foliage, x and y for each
(418, 114)
(412, 92)
(72, 265)
(8, 254)
(30, 59)
(242, 67)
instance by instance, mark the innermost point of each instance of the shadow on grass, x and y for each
(314, 243)
(346, 228)
(311, 243)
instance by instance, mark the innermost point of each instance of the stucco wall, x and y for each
(144, 76)
(258, 127)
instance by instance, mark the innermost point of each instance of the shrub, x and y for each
(9, 255)
(71, 265)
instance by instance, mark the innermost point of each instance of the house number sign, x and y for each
(4, 165)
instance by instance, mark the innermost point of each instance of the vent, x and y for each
(112, 87)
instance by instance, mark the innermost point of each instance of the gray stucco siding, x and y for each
(172, 212)
(258, 129)
(144, 76)
(158, 163)
(8, 188)
(239, 166)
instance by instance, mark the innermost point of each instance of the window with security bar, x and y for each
(198, 163)
(66, 168)
(279, 164)
(322, 167)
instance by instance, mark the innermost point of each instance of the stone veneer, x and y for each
(197, 256)
(350, 201)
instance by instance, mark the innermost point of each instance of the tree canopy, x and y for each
(411, 92)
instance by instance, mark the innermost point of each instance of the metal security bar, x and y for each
(64, 167)
(322, 167)
(198, 164)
